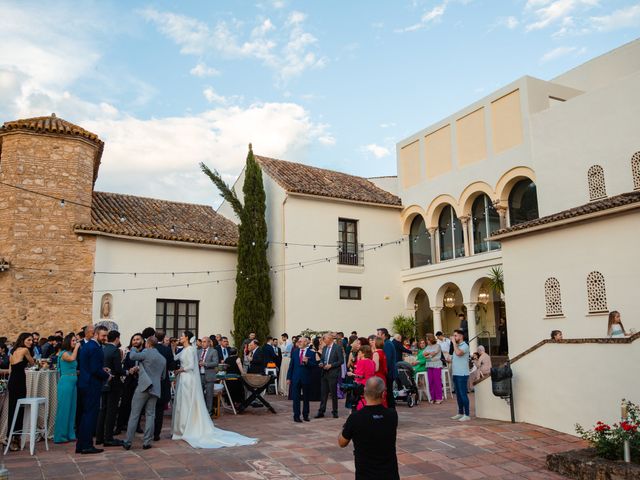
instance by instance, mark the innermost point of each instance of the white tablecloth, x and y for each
(41, 383)
(282, 380)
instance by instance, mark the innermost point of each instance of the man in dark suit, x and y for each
(257, 358)
(392, 369)
(165, 385)
(299, 378)
(331, 363)
(90, 380)
(269, 352)
(277, 353)
(111, 392)
(223, 349)
(208, 363)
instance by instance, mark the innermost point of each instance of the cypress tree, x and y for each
(252, 309)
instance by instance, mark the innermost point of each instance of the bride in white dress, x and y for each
(191, 421)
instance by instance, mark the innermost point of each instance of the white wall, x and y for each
(311, 295)
(561, 384)
(598, 127)
(135, 310)
(608, 245)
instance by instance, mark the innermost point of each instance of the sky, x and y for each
(333, 84)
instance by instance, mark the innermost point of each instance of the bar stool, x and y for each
(34, 405)
(446, 382)
(218, 391)
(274, 384)
(426, 385)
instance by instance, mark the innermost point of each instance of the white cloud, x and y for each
(623, 18)
(430, 16)
(510, 22)
(202, 70)
(288, 51)
(548, 13)
(387, 125)
(561, 52)
(377, 151)
(327, 140)
(212, 97)
(167, 150)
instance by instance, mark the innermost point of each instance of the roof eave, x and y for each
(181, 243)
(346, 200)
(566, 221)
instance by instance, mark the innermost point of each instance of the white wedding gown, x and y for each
(191, 421)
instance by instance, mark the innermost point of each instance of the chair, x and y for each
(34, 405)
(274, 373)
(446, 382)
(426, 385)
(218, 391)
(256, 385)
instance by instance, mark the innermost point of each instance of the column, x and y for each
(502, 211)
(432, 236)
(437, 319)
(465, 233)
(471, 322)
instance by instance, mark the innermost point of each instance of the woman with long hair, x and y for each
(67, 391)
(615, 329)
(17, 385)
(191, 421)
(380, 361)
(433, 355)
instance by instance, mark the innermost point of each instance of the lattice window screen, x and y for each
(596, 293)
(552, 297)
(597, 187)
(635, 170)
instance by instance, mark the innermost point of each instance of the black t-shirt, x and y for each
(373, 432)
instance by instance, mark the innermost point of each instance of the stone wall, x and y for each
(48, 285)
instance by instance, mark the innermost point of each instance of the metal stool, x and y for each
(34, 405)
(446, 382)
(426, 385)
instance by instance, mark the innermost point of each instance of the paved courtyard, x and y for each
(430, 446)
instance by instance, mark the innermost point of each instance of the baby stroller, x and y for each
(405, 388)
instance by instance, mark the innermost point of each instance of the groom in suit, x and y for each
(299, 377)
(331, 364)
(152, 367)
(92, 377)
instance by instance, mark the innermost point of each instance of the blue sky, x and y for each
(334, 84)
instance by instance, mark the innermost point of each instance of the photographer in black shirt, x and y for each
(373, 431)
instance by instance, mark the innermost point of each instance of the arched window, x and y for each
(552, 297)
(596, 293)
(597, 187)
(419, 243)
(485, 221)
(451, 234)
(523, 202)
(635, 170)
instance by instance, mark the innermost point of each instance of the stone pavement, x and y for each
(430, 446)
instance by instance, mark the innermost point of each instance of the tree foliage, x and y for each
(252, 309)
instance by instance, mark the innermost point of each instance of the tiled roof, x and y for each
(55, 125)
(50, 124)
(299, 178)
(589, 208)
(155, 219)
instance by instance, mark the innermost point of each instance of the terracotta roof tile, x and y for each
(54, 125)
(154, 219)
(299, 178)
(586, 209)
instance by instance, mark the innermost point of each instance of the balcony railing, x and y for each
(346, 255)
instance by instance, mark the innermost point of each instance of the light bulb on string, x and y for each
(62, 202)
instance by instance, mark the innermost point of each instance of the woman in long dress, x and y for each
(191, 421)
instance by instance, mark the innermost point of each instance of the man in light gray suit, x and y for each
(151, 366)
(208, 363)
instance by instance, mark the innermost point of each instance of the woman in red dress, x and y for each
(380, 361)
(365, 369)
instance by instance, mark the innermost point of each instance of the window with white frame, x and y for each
(595, 178)
(596, 293)
(635, 170)
(552, 297)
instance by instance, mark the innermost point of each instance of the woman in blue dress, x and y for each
(67, 391)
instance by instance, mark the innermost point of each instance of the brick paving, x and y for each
(430, 446)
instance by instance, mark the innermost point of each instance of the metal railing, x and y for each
(350, 258)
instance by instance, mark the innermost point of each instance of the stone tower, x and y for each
(47, 284)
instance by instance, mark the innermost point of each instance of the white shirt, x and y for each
(328, 353)
(203, 355)
(445, 345)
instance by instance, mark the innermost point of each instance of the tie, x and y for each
(224, 353)
(204, 354)
(301, 355)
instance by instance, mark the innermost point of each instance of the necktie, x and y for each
(301, 355)
(204, 354)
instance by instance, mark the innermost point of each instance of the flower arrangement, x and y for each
(608, 440)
